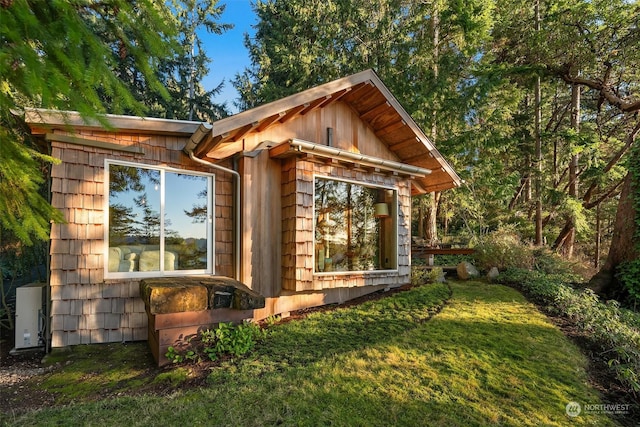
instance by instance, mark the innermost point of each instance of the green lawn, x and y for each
(488, 358)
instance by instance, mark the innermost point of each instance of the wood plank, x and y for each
(199, 318)
(281, 151)
(373, 113)
(293, 112)
(358, 91)
(421, 252)
(390, 128)
(93, 143)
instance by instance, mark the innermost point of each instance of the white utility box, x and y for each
(30, 318)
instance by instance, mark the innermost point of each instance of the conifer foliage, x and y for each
(68, 55)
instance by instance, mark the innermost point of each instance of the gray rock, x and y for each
(466, 270)
(493, 274)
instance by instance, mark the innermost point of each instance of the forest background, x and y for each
(534, 103)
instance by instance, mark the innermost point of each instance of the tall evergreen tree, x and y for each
(592, 44)
(66, 55)
(183, 75)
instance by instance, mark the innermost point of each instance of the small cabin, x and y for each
(171, 225)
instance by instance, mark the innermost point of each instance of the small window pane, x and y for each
(134, 218)
(186, 218)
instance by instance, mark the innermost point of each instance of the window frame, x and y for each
(394, 214)
(210, 223)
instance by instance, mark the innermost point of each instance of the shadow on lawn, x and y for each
(346, 329)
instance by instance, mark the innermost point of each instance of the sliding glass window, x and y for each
(355, 226)
(160, 221)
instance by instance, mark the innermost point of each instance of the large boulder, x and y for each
(162, 296)
(466, 270)
(183, 294)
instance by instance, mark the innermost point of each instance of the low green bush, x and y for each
(613, 329)
(503, 249)
(226, 339)
(420, 276)
(628, 273)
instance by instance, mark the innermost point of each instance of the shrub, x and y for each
(226, 339)
(420, 276)
(628, 273)
(503, 249)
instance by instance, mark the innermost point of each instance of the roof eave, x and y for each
(43, 121)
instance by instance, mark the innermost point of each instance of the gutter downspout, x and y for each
(195, 139)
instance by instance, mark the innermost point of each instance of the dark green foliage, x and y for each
(68, 55)
(226, 339)
(628, 273)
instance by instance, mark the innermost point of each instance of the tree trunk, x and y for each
(622, 244)
(596, 257)
(565, 242)
(538, 147)
(431, 225)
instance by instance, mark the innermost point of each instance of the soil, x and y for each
(20, 374)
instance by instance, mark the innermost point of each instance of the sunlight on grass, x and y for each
(488, 358)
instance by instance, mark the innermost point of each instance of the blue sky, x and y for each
(227, 51)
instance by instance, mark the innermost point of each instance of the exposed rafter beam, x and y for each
(293, 112)
(243, 131)
(335, 97)
(404, 144)
(264, 124)
(315, 104)
(376, 111)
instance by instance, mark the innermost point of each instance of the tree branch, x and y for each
(613, 161)
(603, 86)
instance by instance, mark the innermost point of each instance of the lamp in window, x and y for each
(381, 210)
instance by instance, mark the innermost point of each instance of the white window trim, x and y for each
(210, 270)
(396, 225)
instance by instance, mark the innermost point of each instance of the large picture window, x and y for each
(355, 227)
(160, 221)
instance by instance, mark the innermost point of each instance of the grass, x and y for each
(488, 358)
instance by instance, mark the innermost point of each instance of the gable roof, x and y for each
(366, 94)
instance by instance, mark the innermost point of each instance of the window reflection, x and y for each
(186, 226)
(354, 227)
(136, 225)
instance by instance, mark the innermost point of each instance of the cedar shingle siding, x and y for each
(298, 239)
(86, 308)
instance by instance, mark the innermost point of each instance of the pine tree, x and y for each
(183, 75)
(67, 55)
(64, 55)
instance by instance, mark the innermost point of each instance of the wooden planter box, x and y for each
(178, 307)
